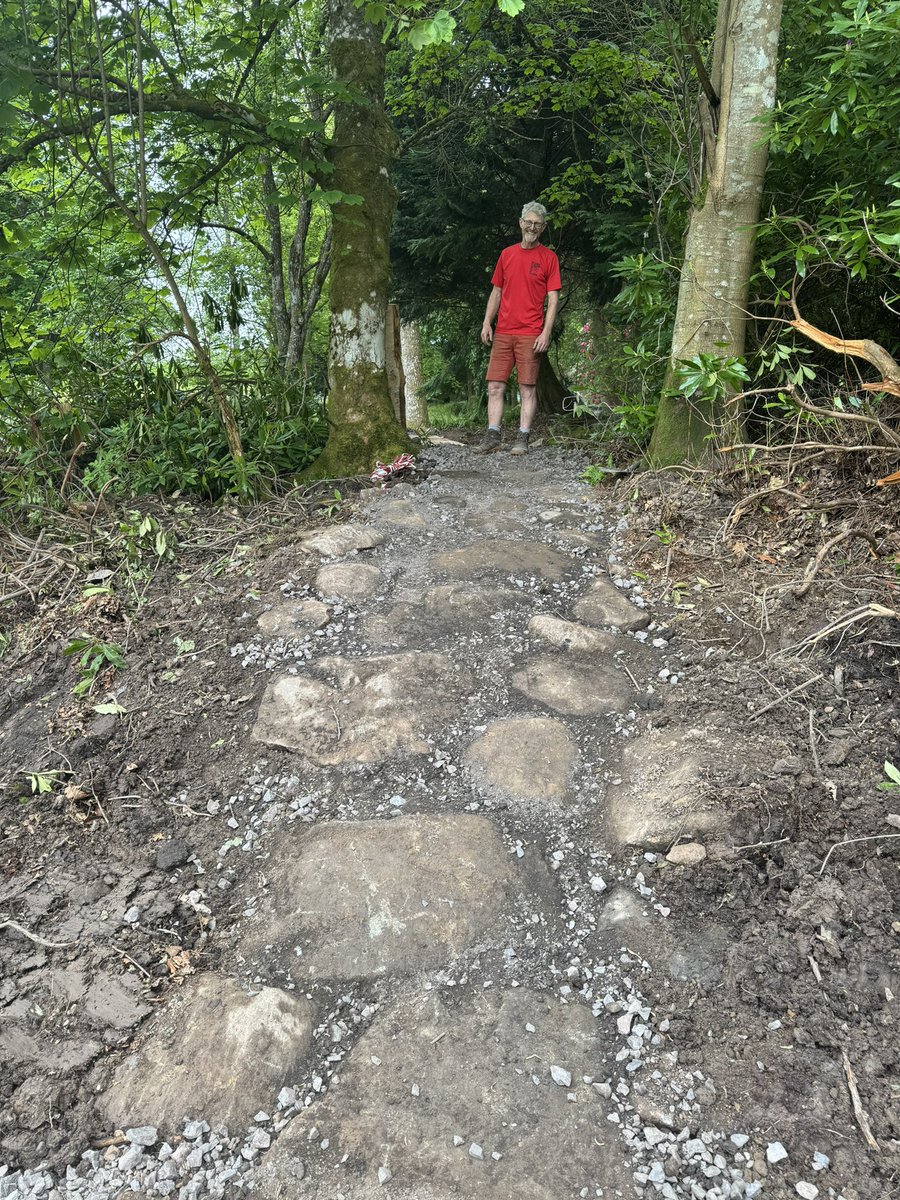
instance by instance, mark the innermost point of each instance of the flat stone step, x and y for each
(664, 795)
(352, 581)
(569, 635)
(604, 605)
(293, 618)
(362, 710)
(402, 513)
(527, 759)
(443, 610)
(338, 540)
(367, 898)
(500, 557)
(572, 687)
(456, 1099)
(216, 1053)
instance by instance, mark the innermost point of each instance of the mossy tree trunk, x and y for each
(363, 427)
(711, 317)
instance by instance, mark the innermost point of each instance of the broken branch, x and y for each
(812, 569)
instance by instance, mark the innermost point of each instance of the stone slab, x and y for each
(402, 513)
(369, 898)
(578, 537)
(352, 581)
(663, 796)
(431, 1070)
(338, 540)
(293, 618)
(574, 688)
(604, 605)
(215, 1053)
(448, 609)
(568, 635)
(498, 556)
(526, 758)
(496, 523)
(385, 495)
(362, 710)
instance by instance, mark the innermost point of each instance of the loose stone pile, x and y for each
(435, 978)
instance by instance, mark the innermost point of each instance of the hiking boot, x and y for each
(520, 445)
(490, 442)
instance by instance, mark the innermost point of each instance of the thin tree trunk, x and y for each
(411, 354)
(711, 316)
(272, 212)
(393, 364)
(363, 427)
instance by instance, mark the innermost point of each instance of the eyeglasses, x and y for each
(533, 224)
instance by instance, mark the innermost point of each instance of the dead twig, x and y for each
(129, 959)
(787, 695)
(862, 1117)
(761, 845)
(872, 837)
(814, 565)
(36, 938)
(842, 624)
(812, 745)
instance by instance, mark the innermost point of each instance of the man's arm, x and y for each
(543, 338)
(493, 307)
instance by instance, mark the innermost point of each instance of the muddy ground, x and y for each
(789, 986)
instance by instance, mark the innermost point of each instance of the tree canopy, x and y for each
(171, 186)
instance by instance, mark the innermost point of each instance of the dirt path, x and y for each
(485, 891)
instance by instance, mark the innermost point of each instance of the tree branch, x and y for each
(238, 232)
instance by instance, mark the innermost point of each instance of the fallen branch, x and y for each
(801, 687)
(37, 939)
(872, 837)
(834, 447)
(836, 414)
(842, 624)
(862, 1118)
(856, 348)
(814, 565)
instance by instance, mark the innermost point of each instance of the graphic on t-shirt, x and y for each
(534, 268)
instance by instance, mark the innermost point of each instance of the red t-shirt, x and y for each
(525, 277)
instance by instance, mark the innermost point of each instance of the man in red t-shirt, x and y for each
(525, 275)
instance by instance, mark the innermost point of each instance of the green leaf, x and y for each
(111, 708)
(892, 772)
(512, 8)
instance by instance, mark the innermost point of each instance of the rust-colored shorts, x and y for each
(508, 350)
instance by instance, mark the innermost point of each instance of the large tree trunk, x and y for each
(550, 391)
(711, 316)
(411, 354)
(363, 427)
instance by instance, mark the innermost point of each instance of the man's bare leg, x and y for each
(492, 439)
(528, 393)
(496, 393)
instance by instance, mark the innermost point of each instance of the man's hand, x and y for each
(542, 341)
(487, 333)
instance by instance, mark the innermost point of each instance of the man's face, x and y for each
(532, 227)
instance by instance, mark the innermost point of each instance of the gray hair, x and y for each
(533, 206)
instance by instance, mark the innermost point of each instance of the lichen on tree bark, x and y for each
(362, 424)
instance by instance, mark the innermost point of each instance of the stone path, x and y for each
(434, 988)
